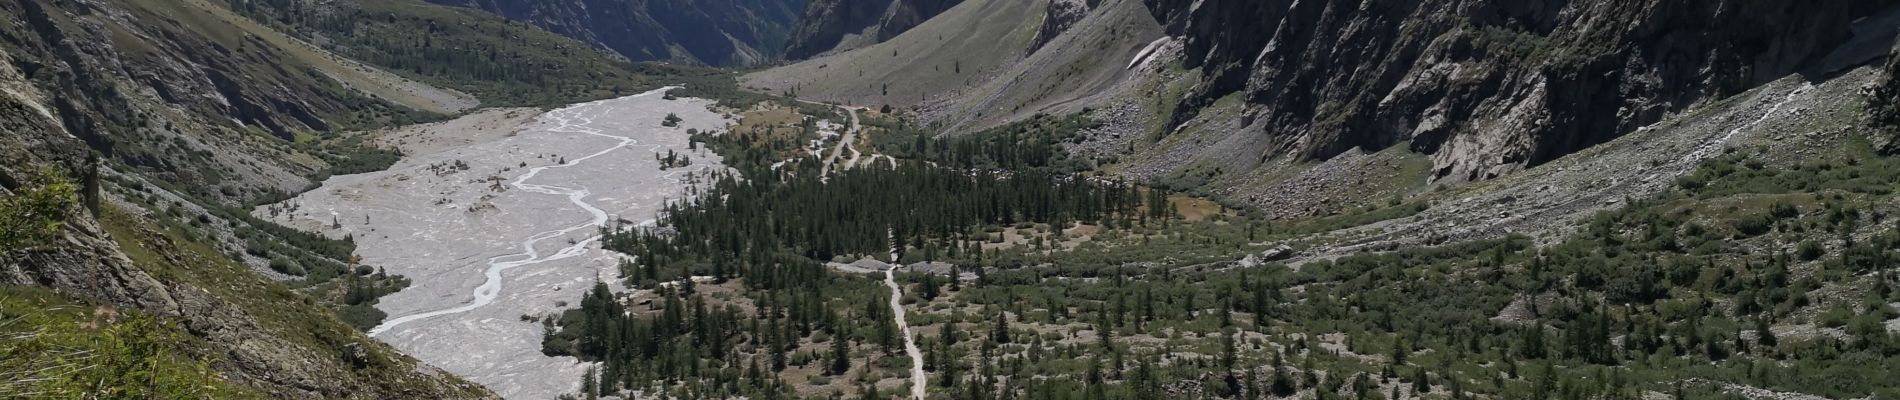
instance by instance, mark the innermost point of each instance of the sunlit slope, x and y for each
(962, 49)
(1087, 65)
(985, 63)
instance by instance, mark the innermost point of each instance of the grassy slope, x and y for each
(952, 53)
(54, 346)
(503, 63)
(1083, 67)
(176, 259)
(974, 62)
(229, 29)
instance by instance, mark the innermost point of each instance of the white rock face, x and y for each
(486, 240)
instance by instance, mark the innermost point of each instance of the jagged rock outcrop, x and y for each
(837, 25)
(713, 32)
(1485, 86)
(152, 93)
(84, 261)
(1058, 17)
(906, 14)
(1883, 106)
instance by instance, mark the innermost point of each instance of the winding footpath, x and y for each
(917, 376)
(917, 380)
(568, 120)
(850, 135)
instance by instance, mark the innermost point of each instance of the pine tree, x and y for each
(1097, 386)
(590, 388)
(1399, 351)
(840, 356)
(1230, 352)
(1147, 385)
(1000, 331)
(1763, 334)
(1546, 382)
(1282, 384)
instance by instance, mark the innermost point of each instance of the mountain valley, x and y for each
(949, 199)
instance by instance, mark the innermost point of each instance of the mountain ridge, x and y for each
(829, 26)
(714, 32)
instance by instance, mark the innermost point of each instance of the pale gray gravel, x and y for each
(485, 242)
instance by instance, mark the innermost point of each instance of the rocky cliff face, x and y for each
(144, 89)
(713, 32)
(1058, 17)
(256, 334)
(1485, 86)
(279, 349)
(836, 25)
(190, 108)
(1883, 106)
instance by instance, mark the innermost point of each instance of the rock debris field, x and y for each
(494, 216)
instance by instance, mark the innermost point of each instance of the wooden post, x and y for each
(349, 271)
(90, 195)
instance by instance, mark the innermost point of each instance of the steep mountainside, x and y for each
(178, 90)
(502, 63)
(189, 109)
(838, 25)
(984, 63)
(77, 81)
(714, 32)
(1237, 98)
(1486, 87)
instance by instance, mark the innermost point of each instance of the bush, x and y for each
(1834, 317)
(362, 316)
(53, 348)
(1809, 250)
(1781, 211)
(1752, 226)
(1691, 182)
(34, 214)
(286, 266)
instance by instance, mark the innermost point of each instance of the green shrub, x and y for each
(1834, 317)
(51, 348)
(33, 215)
(1754, 225)
(362, 316)
(1809, 250)
(286, 266)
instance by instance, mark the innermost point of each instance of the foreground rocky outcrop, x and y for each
(278, 343)
(1883, 106)
(1486, 87)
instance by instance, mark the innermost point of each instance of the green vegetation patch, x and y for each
(53, 347)
(503, 63)
(33, 215)
(1033, 144)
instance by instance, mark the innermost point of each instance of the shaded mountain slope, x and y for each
(714, 32)
(1486, 87)
(839, 25)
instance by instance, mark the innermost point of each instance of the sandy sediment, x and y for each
(495, 216)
